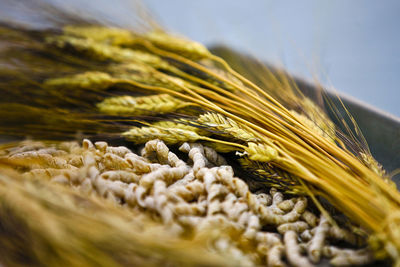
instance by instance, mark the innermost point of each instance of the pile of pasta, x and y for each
(195, 195)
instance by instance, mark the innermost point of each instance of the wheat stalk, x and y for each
(177, 45)
(226, 127)
(179, 134)
(272, 176)
(181, 124)
(144, 105)
(108, 35)
(141, 135)
(261, 152)
(87, 80)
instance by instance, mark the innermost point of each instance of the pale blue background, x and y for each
(353, 45)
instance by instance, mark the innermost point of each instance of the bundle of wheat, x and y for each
(114, 83)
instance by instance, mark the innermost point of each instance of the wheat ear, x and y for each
(224, 126)
(144, 105)
(175, 135)
(271, 175)
(87, 80)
